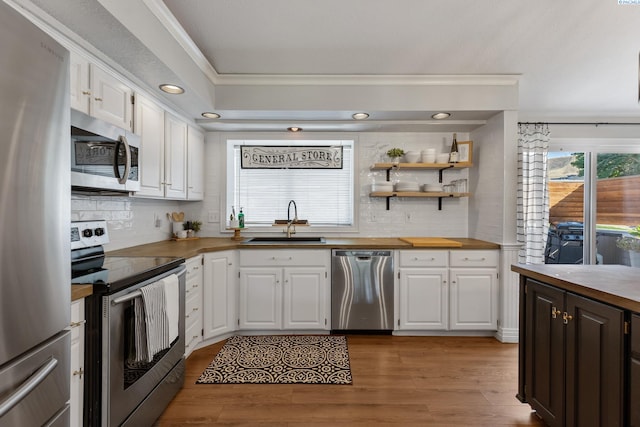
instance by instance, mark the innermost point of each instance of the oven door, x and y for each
(125, 384)
(103, 156)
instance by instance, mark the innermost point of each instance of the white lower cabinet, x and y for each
(77, 362)
(219, 307)
(284, 289)
(193, 304)
(441, 290)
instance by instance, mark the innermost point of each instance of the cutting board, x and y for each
(431, 242)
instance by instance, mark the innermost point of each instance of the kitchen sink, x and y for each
(283, 239)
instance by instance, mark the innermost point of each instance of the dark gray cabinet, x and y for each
(572, 360)
(634, 377)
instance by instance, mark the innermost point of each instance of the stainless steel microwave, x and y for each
(103, 156)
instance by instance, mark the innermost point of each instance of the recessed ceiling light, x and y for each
(440, 116)
(173, 89)
(210, 115)
(360, 116)
(294, 129)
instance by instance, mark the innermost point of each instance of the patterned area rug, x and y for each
(285, 359)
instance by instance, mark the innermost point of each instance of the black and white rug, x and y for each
(280, 359)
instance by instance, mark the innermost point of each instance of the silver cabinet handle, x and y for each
(28, 386)
(76, 324)
(476, 259)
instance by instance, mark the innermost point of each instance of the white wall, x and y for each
(131, 221)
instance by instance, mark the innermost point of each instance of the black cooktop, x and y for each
(111, 274)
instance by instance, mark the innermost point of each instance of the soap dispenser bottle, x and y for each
(241, 219)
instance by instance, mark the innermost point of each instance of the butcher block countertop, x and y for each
(190, 248)
(617, 285)
(80, 291)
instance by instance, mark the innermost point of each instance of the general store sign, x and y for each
(285, 157)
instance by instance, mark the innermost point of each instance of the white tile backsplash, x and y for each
(132, 221)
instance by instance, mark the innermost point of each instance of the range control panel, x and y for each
(85, 234)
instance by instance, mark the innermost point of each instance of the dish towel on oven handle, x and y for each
(156, 324)
(172, 300)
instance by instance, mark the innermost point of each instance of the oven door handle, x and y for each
(28, 386)
(137, 293)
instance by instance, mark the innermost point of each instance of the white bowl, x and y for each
(382, 186)
(411, 156)
(428, 158)
(442, 158)
(432, 188)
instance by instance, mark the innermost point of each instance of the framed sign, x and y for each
(465, 151)
(290, 157)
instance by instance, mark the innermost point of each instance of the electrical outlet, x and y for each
(157, 220)
(214, 216)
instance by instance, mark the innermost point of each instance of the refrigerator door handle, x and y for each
(28, 386)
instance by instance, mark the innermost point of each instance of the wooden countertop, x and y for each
(617, 285)
(190, 248)
(80, 291)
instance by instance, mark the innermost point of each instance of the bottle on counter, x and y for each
(241, 219)
(453, 155)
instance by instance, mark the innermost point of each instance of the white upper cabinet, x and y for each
(100, 94)
(195, 164)
(175, 133)
(149, 124)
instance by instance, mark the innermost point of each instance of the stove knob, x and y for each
(87, 232)
(99, 231)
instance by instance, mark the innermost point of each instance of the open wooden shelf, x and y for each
(386, 166)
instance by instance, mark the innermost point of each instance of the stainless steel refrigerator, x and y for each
(35, 275)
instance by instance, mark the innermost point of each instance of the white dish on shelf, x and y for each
(407, 186)
(442, 158)
(432, 188)
(412, 156)
(382, 186)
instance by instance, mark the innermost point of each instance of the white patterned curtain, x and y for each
(533, 192)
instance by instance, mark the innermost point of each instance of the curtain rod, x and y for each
(596, 124)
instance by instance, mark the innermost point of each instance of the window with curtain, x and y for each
(324, 197)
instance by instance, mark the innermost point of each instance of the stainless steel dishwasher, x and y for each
(361, 290)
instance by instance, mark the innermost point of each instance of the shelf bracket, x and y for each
(440, 173)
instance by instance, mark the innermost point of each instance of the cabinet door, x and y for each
(545, 352)
(175, 157)
(305, 298)
(260, 298)
(424, 299)
(77, 362)
(195, 164)
(595, 368)
(219, 312)
(634, 380)
(149, 124)
(473, 298)
(80, 90)
(110, 99)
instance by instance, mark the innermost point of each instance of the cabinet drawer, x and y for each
(283, 257)
(192, 336)
(194, 267)
(77, 319)
(424, 258)
(192, 308)
(192, 287)
(474, 258)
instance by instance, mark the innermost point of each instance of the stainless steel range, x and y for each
(121, 389)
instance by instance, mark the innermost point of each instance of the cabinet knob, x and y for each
(79, 372)
(554, 312)
(86, 92)
(98, 99)
(566, 317)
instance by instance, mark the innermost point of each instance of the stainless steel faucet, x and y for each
(291, 222)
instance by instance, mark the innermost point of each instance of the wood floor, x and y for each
(399, 381)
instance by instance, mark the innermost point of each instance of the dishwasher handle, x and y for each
(361, 253)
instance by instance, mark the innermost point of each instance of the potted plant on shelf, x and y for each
(395, 154)
(631, 243)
